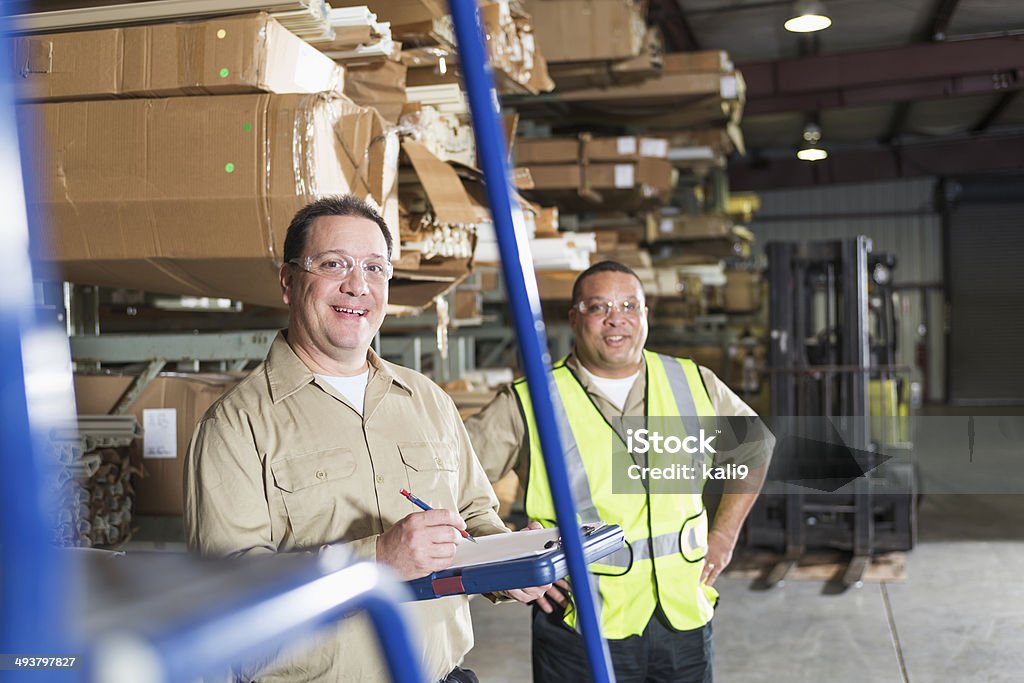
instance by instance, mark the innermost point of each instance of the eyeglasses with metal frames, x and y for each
(335, 265)
(602, 307)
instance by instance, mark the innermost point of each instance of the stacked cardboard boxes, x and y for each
(623, 172)
(182, 194)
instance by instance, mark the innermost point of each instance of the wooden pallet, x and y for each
(820, 566)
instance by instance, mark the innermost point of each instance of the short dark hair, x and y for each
(601, 267)
(336, 205)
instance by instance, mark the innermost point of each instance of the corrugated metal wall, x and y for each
(900, 217)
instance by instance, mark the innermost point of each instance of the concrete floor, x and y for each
(958, 617)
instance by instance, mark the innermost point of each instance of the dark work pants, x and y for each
(658, 655)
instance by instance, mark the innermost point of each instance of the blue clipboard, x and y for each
(599, 540)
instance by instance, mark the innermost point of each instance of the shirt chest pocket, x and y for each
(431, 468)
(314, 488)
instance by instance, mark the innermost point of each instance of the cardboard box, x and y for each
(468, 304)
(713, 61)
(557, 177)
(159, 490)
(400, 12)
(380, 85)
(190, 195)
(530, 151)
(625, 148)
(656, 174)
(742, 291)
(556, 285)
(688, 227)
(586, 30)
(241, 54)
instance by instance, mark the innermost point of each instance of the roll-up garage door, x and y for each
(986, 288)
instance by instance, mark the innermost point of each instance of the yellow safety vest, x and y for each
(666, 533)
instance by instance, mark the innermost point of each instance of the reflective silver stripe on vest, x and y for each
(687, 407)
(680, 387)
(578, 481)
(665, 544)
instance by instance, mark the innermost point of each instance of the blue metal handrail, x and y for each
(33, 583)
(259, 604)
(524, 300)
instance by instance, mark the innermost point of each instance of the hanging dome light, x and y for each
(810, 149)
(808, 16)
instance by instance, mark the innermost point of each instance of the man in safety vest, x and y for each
(656, 596)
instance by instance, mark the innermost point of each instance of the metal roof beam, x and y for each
(950, 157)
(924, 71)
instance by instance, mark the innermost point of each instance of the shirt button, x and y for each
(437, 460)
(380, 478)
(321, 475)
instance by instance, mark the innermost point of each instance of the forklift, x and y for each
(834, 380)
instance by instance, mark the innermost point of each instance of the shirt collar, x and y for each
(286, 373)
(572, 361)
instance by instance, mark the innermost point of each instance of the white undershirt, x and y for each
(617, 390)
(352, 388)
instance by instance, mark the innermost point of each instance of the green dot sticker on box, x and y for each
(224, 72)
(229, 167)
(247, 126)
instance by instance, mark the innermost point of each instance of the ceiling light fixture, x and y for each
(810, 149)
(808, 16)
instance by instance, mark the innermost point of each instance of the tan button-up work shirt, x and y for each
(499, 434)
(283, 463)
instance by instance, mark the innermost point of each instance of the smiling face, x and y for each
(332, 322)
(610, 345)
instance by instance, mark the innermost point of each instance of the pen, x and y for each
(423, 506)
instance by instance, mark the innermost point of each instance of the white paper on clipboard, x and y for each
(504, 547)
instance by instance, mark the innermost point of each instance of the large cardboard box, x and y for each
(184, 401)
(252, 53)
(191, 195)
(587, 30)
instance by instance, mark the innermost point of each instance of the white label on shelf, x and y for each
(624, 175)
(160, 438)
(666, 226)
(653, 147)
(729, 88)
(626, 145)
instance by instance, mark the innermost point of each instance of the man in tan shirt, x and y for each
(314, 446)
(609, 320)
